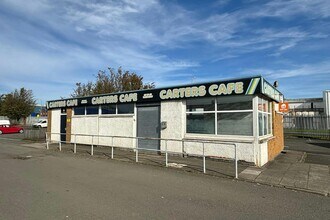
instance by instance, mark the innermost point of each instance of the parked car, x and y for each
(42, 123)
(7, 129)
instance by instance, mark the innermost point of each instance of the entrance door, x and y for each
(148, 125)
(63, 127)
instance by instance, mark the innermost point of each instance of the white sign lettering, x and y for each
(105, 99)
(226, 89)
(183, 92)
(131, 97)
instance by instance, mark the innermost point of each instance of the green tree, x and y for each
(114, 81)
(18, 104)
(2, 96)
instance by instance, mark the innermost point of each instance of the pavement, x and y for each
(306, 168)
(213, 166)
(303, 165)
(48, 184)
(289, 170)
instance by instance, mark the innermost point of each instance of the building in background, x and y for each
(310, 106)
(39, 112)
(308, 117)
(241, 111)
(326, 102)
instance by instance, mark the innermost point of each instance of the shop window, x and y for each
(92, 110)
(260, 124)
(200, 123)
(200, 105)
(125, 108)
(264, 117)
(108, 109)
(236, 123)
(220, 116)
(234, 103)
(79, 111)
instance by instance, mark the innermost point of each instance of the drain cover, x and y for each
(23, 157)
(176, 165)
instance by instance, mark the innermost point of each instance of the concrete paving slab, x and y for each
(250, 173)
(299, 167)
(274, 180)
(301, 184)
(289, 170)
(288, 181)
(322, 186)
(319, 168)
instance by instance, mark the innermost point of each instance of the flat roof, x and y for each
(305, 100)
(229, 87)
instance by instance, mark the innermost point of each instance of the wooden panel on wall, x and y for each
(276, 145)
(68, 124)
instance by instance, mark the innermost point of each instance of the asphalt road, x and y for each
(317, 151)
(41, 184)
(307, 145)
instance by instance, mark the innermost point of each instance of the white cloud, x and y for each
(311, 70)
(287, 8)
(48, 38)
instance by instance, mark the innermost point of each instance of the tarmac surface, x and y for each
(307, 145)
(48, 184)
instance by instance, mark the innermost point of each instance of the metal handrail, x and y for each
(203, 142)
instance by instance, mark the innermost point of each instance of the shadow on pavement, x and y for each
(214, 166)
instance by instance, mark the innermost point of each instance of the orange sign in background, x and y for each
(284, 106)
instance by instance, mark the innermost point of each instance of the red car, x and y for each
(7, 129)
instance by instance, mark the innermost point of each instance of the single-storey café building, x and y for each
(242, 111)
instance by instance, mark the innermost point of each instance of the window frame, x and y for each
(100, 111)
(269, 115)
(216, 112)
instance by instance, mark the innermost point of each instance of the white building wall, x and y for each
(81, 125)
(326, 102)
(117, 125)
(173, 113)
(245, 151)
(263, 149)
(56, 124)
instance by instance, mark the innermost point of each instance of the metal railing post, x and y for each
(204, 164)
(92, 147)
(111, 147)
(166, 154)
(75, 144)
(236, 168)
(136, 154)
(162, 141)
(47, 142)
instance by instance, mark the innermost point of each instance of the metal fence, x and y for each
(35, 133)
(137, 149)
(307, 126)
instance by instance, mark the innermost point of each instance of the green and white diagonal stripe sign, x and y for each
(252, 87)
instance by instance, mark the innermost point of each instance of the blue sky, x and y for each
(48, 46)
